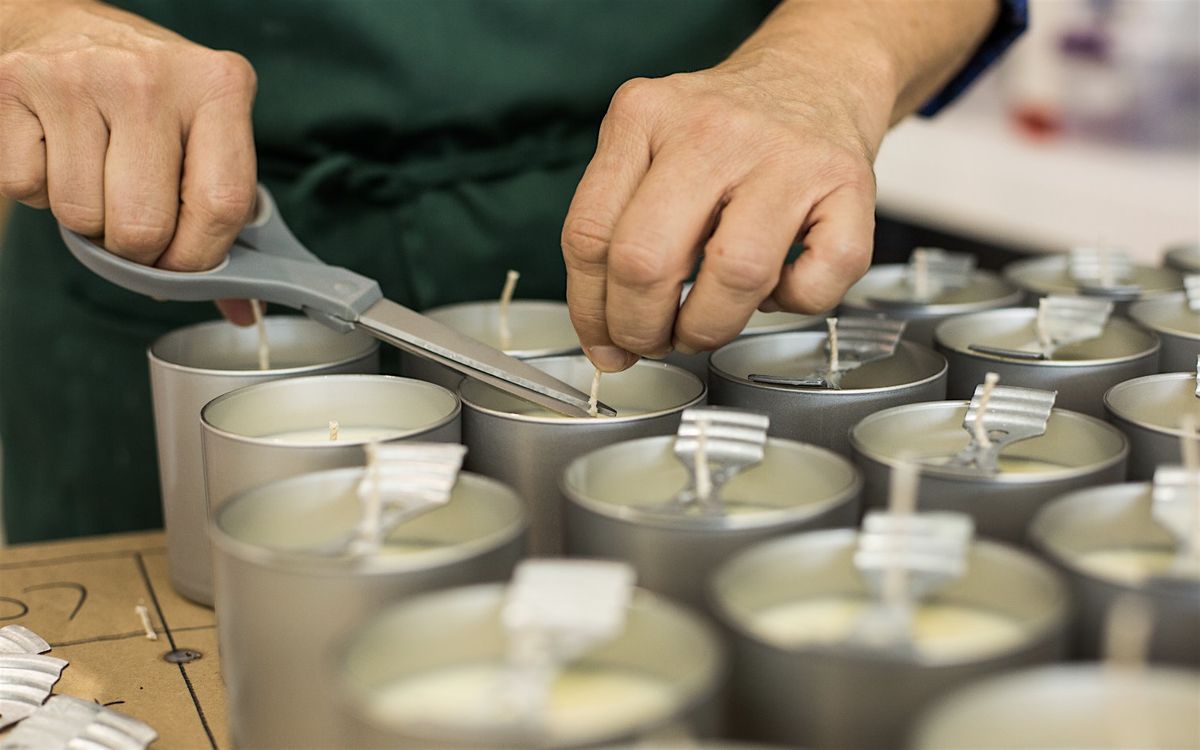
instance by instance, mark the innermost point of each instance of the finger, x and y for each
(236, 311)
(76, 142)
(22, 154)
(654, 250)
(622, 158)
(742, 263)
(219, 175)
(837, 251)
(141, 183)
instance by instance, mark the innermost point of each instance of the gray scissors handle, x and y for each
(266, 263)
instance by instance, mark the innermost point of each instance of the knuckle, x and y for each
(636, 95)
(746, 273)
(638, 264)
(145, 236)
(585, 240)
(229, 73)
(21, 187)
(86, 219)
(225, 205)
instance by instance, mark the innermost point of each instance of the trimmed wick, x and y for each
(333, 429)
(594, 396)
(510, 286)
(264, 348)
(981, 433)
(373, 514)
(703, 476)
(1042, 334)
(902, 502)
(831, 323)
(921, 274)
(148, 628)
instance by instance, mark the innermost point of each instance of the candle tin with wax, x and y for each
(1183, 258)
(1177, 326)
(820, 416)
(191, 366)
(1108, 544)
(528, 447)
(617, 507)
(885, 290)
(284, 600)
(1076, 451)
(1080, 372)
(661, 673)
(1150, 411)
(760, 324)
(1051, 274)
(537, 328)
(788, 605)
(1092, 706)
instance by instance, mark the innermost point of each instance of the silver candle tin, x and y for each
(537, 328)
(760, 324)
(281, 607)
(1081, 372)
(885, 291)
(832, 696)
(815, 415)
(1177, 326)
(1150, 411)
(191, 366)
(461, 627)
(1077, 450)
(1184, 258)
(1118, 517)
(528, 447)
(1039, 277)
(239, 429)
(1069, 706)
(616, 497)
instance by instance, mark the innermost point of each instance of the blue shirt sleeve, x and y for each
(1013, 19)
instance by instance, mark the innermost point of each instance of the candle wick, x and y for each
(1042, 334)
(902, 502)
(333, 429)
(921, 272)
(510, 286)
(593, 407)
(703, 476)
(373, 513)
(1127, 639)
(147, 627)
(834, 363)
(985, 397)
(264, 348)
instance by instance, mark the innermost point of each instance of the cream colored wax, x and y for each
(1134, 565)
(320, 435)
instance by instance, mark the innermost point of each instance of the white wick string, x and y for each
(333, 429)
(594, 397)
(147, 627)
(1190, 447)
(831, 324)
(981, 433)
(264, 348)
(1042, 334)
(1126, 643)
(703, 476)
(372, 527)
(510, 286)
(921, 273)
(902, 502)
(1107, 277)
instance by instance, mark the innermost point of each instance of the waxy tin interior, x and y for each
(1177, 326)
(1069, 706)
(1108, 543)
(661, 674)
(284, 597)
(537, 328)
(760, 324)
(1051, 274)
(1081, 372)
(820, 416)
(1076, 451)
(618, 506)
(1183, 258)
(528, 447)
(789, 604)
(1150, 411)
(885, 290)
(191, 366)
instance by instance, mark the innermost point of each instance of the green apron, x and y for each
(430, 144)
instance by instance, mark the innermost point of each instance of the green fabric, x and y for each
(431, 144)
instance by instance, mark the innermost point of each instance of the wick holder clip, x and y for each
(1010, 415)
(714, 445)
(859, 342)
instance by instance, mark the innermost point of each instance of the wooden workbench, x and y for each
(81, 596)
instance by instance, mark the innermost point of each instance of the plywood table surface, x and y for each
(81, 596)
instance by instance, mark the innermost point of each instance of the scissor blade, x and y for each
(425, 337)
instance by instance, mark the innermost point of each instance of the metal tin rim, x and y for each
(1136, 383)
(151, 353)
(801, 322)
(295, 561)
(1051, 621)
(722, 524)
(1184, 257)
(919, 310)
(1058, 262)
(1031, 312)
(1140, 312)
(207, 424)
(1041, 478)
(828, 392)
(526, 303)
(571, 422)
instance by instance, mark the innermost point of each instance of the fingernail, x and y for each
(769, 306)
(610, 358)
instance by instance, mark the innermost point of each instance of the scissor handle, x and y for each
(266, 263)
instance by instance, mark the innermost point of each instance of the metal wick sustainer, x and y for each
(997, 417)
(851, 343)
(1102, 273)
(714, 445)
(1061, 320)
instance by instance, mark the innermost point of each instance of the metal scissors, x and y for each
(268, 263)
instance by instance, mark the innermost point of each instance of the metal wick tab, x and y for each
(1191, 291)
(852, 343)
(1102, 272)
(1061, 320)
(715, 445)
(997, 417)
(932, 272)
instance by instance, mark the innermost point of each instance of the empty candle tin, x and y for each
(1177, 326)
(537, 328)
(885, 290)
(1081, 372)
(1051, 274)
(1080, 532)
(283, 603)
(528, 447)
(1150, 411)
(828, 694)
(1183, 258)
(617, 507)
(760, 324)
(817, 415)
(1069, 706)
(191, 366)
(1076, 451)
(663, 648)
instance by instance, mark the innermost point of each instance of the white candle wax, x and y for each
(320, 435)
(1133, 565)
(940, 631)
